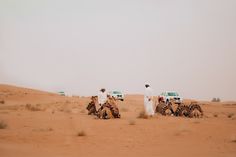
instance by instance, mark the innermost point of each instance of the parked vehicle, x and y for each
(117, 95)
(171, 95)
(62, 93)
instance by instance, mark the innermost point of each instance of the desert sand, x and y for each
(45, 124)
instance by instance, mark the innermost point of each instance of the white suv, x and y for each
(171, 95)
(117, 95)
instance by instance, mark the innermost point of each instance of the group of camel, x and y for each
(193, 110)
(110, 109)
(106, 111)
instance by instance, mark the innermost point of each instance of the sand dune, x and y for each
(49, 126)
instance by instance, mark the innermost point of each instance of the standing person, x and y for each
(102, 97)
(148, 102)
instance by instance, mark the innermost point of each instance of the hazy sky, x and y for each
(80, 46)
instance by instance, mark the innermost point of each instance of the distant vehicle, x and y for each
(171, 95)
(117, 95)
(62, 93)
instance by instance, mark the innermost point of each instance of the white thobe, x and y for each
(102, 98)
(148, 103)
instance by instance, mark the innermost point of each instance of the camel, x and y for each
(109, 110)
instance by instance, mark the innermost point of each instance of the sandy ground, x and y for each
(49, 126)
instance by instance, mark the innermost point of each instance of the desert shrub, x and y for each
(2, 102)
(3, 125)
(67, 110)
(43, 129)
(233, 140)
(32, 107)
(132, 122)
(83, 111)
(4, 112)
(143, 115)
(67, 102)
(50, 129)
(215, 115)
(124, 109)
(196, 122)
(81, 133)
(215, 100)
(230, 115)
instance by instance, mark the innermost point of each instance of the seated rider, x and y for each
(102, 97)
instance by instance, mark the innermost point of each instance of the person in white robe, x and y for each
(148, 100)
(102, 97)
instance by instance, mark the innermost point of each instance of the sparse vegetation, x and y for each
(215, 100)
(50, 129)
(196, 122)
(67, 110)
(67, 102)
(177, 134)
(33, 107)
(75, 96)
(2, 102)
(182, 129)
(215, 115)
(4, 112)
(81, 133)
(3, 125)
(43, 129)
(143, 115)
(82, 111)
(206, 116)
(233, 139)
(124, 109)
(230, 115)
(132, 122)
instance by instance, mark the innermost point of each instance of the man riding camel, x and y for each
(102, 97)
(108, 108)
